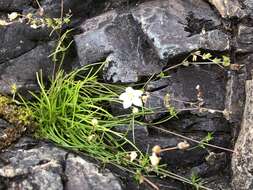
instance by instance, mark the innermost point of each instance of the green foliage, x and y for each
(206, 140)
(196, 181)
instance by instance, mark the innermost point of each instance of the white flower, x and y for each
(154, 159)
(131, 97)
(13, 15)
(133, 155)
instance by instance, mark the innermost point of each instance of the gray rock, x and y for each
(244, 39)
(22, 70)
(248, 6)
(235, 95)
(85, 175)
(229, 9)
(118, 39)
(43, 166)
(242, 166)
(177, 27)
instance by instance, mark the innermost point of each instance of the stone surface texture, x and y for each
(242, 160)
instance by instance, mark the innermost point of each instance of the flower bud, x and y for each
(154, 159)
(156, 149)
(183, 145)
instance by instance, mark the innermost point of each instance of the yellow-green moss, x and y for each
(18, 116)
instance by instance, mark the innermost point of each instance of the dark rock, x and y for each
(44, 167)
(14, 41)
(194, 123)
(52, 8)
(177, 27)
(181, 88)
(117, 39)
(218, 182)
(19, 38)
(22, 70)
(14, 5)
(215, 162)
(145, 141)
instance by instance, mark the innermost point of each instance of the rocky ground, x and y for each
(138, 38)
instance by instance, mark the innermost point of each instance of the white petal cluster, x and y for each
(154, 159)
(131, 97)
(133, 155)
(13, 16)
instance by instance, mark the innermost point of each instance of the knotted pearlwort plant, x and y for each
(75, 113)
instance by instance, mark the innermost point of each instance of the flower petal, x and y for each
(137, 101)
(129, 90)
(127, 103)
(138, 93)
(123, 96)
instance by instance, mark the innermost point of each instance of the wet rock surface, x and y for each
(137, 39)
